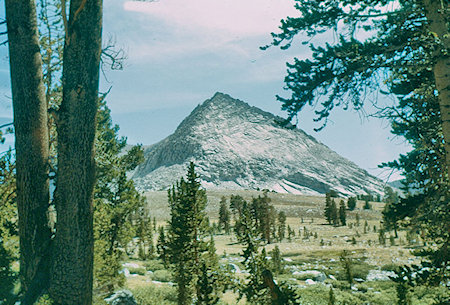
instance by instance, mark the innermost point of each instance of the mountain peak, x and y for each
(237, 146)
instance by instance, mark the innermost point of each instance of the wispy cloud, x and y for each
(243, 18)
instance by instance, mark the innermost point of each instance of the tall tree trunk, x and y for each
(31, 142)
(437, 16)
(71, 276)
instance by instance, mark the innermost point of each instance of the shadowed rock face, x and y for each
(236, 146)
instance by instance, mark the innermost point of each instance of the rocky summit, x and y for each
(236, 146)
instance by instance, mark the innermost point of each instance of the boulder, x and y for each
(121, 297)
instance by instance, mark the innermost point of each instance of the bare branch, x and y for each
(112, 56)
(6, 125)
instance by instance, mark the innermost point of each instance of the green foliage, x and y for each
(282, 225)
(162, 276)
(224, 216)
(8, 225)
(276, 261)
(137, 270)
(328, 209)
(187, 228)
(347, 264)
(208, 286)
(265, 216)
(367, 205)
(342, 213)
(261, 212)
(382, 237)
(331, 298)
(155, 295)
(154, 265)
(331, 211)
(144, 233)
(162, 246)
(7, 276)
(351, 203)
(115, 201)
(393, 47)
(44, 300)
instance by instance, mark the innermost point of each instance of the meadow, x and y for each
(312, 259)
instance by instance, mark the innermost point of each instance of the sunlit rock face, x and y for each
(236, 146)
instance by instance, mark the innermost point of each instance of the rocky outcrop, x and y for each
(237, 146)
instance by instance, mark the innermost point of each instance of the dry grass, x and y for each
(303, 212)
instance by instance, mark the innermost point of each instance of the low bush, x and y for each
(140, 270)
(154, 265)
(155, 295)
(389, 267)
(162, 276)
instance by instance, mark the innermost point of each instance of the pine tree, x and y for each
(7, 276)
(328, 209)
(334, 213)
(187, 228)
(276, 261)
(331, 297)
(208, 283)
(347, 264)
(367, 205)
(144, 233)
(224, 216)
(116, 201)
(342, 213)
(281, 225)
(161, 246)
(382, 237)
(351, 203)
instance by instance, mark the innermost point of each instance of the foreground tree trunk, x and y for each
(437, 16)
(71, 276)
(31, 142)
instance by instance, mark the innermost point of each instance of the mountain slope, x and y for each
(236, 146)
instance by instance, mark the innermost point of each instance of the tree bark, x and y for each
(31, 142)
(437, 16)
(71, 276)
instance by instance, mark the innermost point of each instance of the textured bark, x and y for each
(31, 142)
(71, 276)
(437, 16)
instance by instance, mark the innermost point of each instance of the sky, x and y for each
(179, 55)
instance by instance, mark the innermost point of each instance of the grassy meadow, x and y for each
(311, 261)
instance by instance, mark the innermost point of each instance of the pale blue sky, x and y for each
(181, 52)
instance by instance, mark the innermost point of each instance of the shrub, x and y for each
(155, 295)
(389, 267)
(162, 276)
(140, 270)
(154, 265)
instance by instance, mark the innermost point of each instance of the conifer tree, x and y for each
(331, 297)
(161, 246)
(187, 228)
(276, 261)
(347, 264)
(351, 203)
(116, 201)
(281, 225)
(7, 276)
(334, 213)
(224, 215)
(144, 233)
(342, 213)
(8, 227)
(208, 283)
(328, 209)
